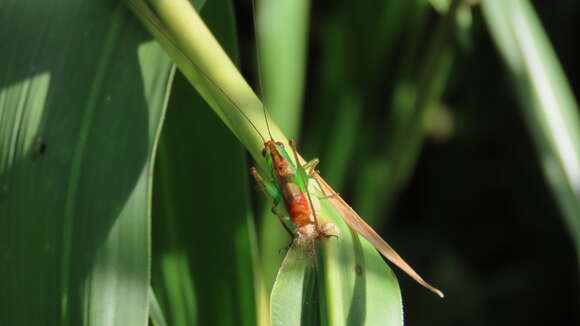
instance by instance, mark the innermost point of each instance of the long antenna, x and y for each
(267, 124)
(259, 68)
(252, 124)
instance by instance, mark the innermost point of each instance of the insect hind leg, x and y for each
(275, 211)
(280, 216)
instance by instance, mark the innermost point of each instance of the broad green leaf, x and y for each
(82, 93)
(546, 99)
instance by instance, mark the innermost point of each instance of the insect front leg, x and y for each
(310, 168)
(325, 230)
(271, 192)
(304, 176)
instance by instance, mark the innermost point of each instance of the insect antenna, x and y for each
(259, 68)
(251, 123)
(267, 124)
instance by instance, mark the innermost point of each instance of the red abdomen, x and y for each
(296, 204)
(299, 211)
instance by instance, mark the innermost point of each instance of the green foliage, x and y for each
(93, 232)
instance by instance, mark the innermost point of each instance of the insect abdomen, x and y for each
(299, 211)
(296, 204)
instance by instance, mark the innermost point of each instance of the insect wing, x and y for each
(356, 223)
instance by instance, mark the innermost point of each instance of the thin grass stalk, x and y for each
(547, 102)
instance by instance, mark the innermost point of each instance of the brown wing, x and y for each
(356, 223)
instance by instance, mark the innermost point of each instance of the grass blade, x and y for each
(282, 58)
(156, 314)
(292, 300)
(413, 99)
(359, 287)
(546, 100)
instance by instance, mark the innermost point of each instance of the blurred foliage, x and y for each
(476, 214)
(408, 104)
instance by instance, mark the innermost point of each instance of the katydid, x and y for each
(288, 183)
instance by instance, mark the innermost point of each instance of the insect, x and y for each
(287, 183)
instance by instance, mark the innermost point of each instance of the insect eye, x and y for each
(280, 144)
(264, 152)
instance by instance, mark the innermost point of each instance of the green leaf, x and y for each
(360, 288)
(292, 301)
(82, 95)
(155, 312)
(282, 58)
(356, 286)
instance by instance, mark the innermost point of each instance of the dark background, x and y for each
(476, 217)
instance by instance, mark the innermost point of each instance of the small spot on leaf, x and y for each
(40, 148)
(358, 270)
